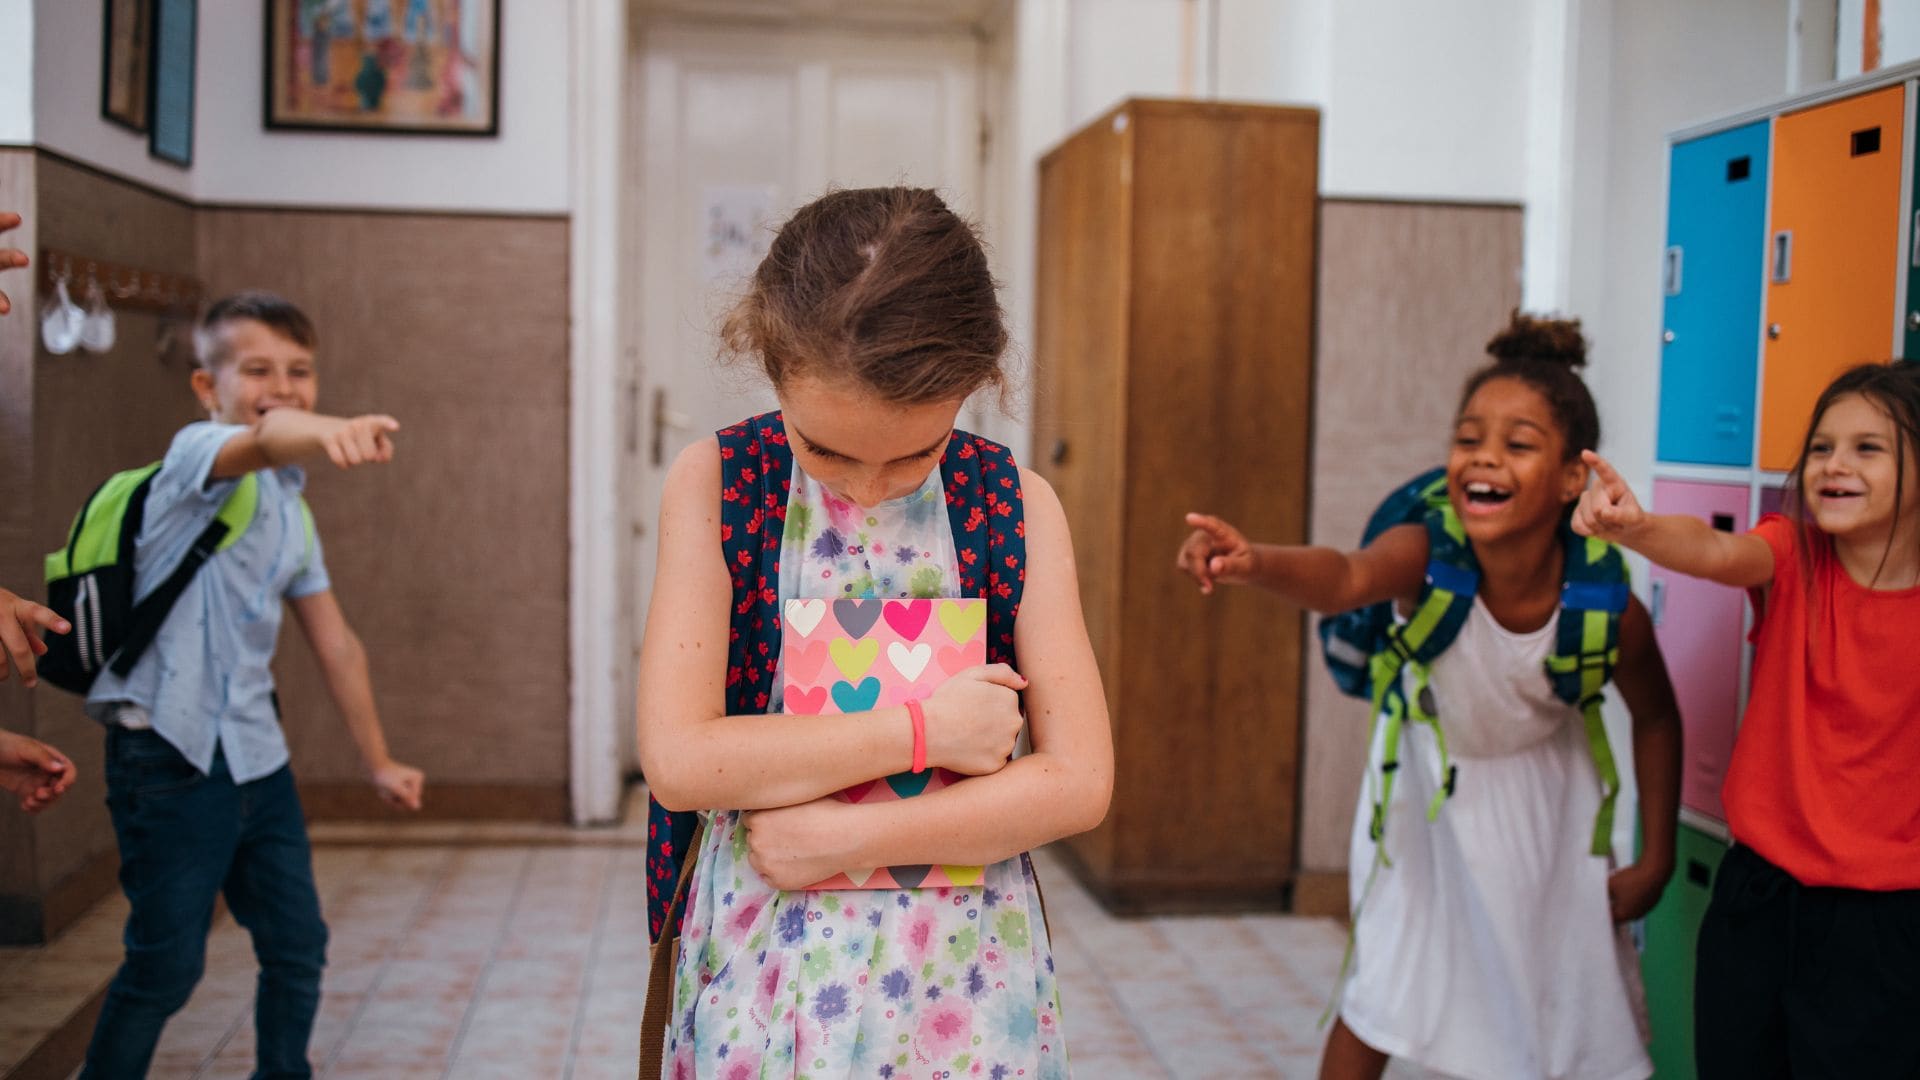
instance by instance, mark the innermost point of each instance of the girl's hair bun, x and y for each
(1541, 340)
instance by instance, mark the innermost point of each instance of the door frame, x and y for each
(596, 628)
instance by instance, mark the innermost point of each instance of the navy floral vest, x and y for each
(756, 467)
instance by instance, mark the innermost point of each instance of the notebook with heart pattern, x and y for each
(846, 656)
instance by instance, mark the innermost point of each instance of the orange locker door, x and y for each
(1833, 255)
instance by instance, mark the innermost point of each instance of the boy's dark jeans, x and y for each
(184, 838)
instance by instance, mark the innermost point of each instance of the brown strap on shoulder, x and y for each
(658, 1012)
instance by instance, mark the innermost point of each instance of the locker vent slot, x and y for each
(1739, 169)
(1699, 873)
(1723, 522)
(1866, 141)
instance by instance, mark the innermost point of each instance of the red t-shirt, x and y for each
(1825, 777)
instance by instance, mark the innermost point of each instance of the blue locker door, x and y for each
(1713, 273)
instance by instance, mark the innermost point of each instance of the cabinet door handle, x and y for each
(1783, 256)
(1659, 606)
(1670, 268)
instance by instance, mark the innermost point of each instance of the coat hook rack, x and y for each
(126, 287)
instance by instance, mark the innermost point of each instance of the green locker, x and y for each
(1666, 962)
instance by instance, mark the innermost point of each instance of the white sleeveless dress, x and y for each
(1487, 950)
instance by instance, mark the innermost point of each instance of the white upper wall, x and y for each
(1899, 35)
(236, 160)
(16, 72)
(1427, 100)
(1418, 100)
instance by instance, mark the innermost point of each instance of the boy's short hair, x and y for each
(269, 309)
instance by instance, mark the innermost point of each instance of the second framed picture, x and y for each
(396, 66)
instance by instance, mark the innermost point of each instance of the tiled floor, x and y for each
(527, 958)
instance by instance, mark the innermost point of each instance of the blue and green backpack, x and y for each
(90, 580)
(1367, 649)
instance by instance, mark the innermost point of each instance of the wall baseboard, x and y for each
(1321, 893)
(341, 800)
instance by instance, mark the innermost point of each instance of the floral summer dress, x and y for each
(935, 984)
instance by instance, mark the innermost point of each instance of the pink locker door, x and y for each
(1698, 625)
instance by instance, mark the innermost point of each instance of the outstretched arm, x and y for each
(21, 623)
(9, 257)
(1317, 578)
(1678, 542)
(1648, 692)
(696, 757)
(1061, 788)
(343, 661)
(286, 436)
(33, 772)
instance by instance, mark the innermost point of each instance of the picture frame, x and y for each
(175, 27)
(398, 67)
(126, 63)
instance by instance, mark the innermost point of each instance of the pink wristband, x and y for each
(919, 717)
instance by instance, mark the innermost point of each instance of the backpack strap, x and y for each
(987, 509)
(756, 468)
(1593, 596)
(228, 525)
(1446, 598)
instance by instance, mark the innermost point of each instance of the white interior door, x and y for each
(739, 126)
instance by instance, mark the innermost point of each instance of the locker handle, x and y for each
(1913, 256)
(1658, 609)
(1783, 256)
(1671, 270)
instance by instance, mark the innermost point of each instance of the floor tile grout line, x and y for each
(592, 965)
(486, 968)
(373, 987)
(1119, 1003)
(220, 1044)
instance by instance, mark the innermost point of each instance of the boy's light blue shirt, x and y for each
(205, 682)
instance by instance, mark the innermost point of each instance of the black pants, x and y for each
(1795, 981)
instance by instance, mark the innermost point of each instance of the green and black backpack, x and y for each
(1366, 649)
(90, 580)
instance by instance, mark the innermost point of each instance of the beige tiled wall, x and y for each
(451, 563)
(1409, 293)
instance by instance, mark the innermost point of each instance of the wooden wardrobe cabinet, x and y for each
(1173, 371)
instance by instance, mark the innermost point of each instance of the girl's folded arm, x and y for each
(1063, 786)
(696, 757)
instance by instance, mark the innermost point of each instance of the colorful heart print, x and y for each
(861, 698)
(854, 658)
(909, 617)
(962, 621)
(909, 662)
(858, 616)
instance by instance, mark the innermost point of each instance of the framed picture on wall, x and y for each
(126, 61)
(394, 66)
(175, 25)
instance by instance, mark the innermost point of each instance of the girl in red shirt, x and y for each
(1809, 953)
